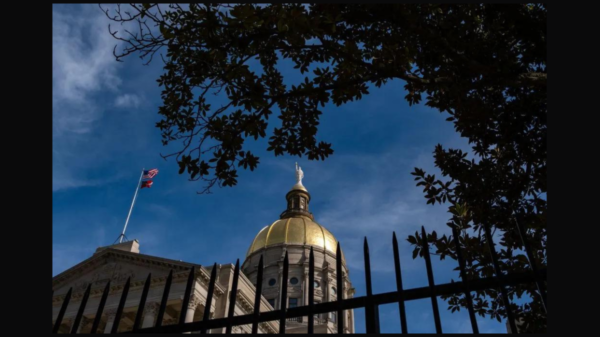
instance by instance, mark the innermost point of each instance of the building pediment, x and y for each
(117, 266)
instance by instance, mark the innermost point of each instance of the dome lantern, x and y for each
(297, 198)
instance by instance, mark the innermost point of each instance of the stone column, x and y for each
(191, 309)
(150, 312)
(110, 319)
(351, 322)
(326, 288)
(306, 286)
(279, 299)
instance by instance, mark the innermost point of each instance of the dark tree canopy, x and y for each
(484, 65)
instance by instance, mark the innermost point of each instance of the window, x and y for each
(294, 280)
(272, 282)
(316, 284)
(293, 303)
(271, 302)
(333, 291)
(333, 316)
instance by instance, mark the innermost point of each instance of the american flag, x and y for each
(150, 174)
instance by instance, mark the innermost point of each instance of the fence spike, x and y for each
(84, 300)
(399, 288)
(233, 294)
(209, 296)
(370, 308)
(98, 316)
(283, 302)
(463, 276)
(434, 304)
(165, 298)
(189, 287)
(140, 311)
(257, 297)
(61, 313)
(117, 320)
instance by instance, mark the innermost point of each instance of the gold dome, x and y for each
(296, 224)
(294, 230)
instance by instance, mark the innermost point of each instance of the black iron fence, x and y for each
(370, 302)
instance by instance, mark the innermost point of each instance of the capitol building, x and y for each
(294, 233)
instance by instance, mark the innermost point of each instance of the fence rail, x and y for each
(370, 302)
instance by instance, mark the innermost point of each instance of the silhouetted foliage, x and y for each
(485, 65)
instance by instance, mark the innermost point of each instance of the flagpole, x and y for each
(131, 208)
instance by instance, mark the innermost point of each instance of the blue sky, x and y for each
(104, 114)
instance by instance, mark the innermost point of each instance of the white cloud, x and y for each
(83, 69)
(128, 101)
(82, 65)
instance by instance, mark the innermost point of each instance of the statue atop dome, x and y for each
(299, 174)
(298, 186)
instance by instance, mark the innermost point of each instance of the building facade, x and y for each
(295, 232)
